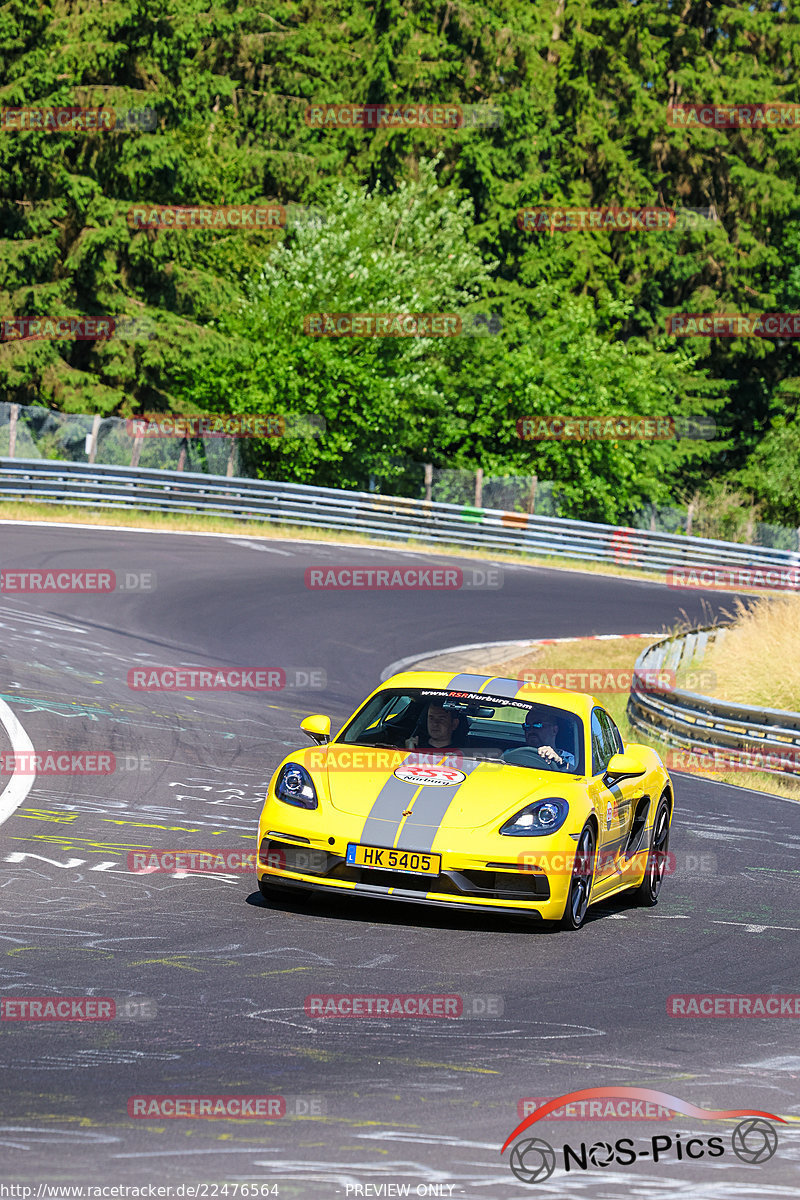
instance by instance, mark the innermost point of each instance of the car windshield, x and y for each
(486, 727)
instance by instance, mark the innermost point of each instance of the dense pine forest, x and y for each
(566, 103)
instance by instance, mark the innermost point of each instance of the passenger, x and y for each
(541, 733)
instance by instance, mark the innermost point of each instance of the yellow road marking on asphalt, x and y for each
(165, 962)
(287, 971)
(451, 1067)
(66, 843)
(72, 949)
(48, 814)
(149, 825)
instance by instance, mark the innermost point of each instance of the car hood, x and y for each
(443, 790)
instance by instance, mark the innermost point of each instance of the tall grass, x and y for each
(758, 660)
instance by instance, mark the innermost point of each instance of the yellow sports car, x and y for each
(468, 791)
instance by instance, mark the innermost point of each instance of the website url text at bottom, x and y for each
(181, 1191)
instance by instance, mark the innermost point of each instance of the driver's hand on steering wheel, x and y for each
(549, 753)
(412, 743)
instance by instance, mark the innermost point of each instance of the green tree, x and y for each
(455, 402)
(584, 88)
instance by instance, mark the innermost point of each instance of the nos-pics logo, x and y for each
(533, 1160)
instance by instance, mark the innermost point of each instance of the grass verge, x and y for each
(757, 662)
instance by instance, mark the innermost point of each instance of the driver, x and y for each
(541, 732)
(441, 725)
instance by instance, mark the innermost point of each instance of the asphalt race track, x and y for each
(220, 976)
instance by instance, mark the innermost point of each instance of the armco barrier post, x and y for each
(12, 430)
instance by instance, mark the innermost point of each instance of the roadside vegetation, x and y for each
(416, 219)
(758, 660)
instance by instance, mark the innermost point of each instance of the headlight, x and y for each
(295, 786)
(539, 819)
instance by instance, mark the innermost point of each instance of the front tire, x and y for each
(646, 894)
(581, 883)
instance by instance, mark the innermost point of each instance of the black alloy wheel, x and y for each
(581, 883)
(646, 893)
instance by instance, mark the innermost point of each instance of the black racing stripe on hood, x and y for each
(505, 687)
(430, 809)
(466, 683)
(386, 813)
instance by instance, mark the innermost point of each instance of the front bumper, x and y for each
(488, 882)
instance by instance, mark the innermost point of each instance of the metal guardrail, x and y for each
(100, 486)
(701, 724)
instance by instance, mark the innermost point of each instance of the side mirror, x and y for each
(624, 765)
(318, 728)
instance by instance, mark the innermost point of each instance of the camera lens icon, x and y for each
(754, 1141)
(533, 1160)
(601, 1154)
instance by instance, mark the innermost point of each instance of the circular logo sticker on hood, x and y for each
(430, 776)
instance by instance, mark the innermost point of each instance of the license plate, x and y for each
(393, 860)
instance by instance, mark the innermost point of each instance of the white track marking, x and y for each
(257, 546)
(17, 789)
(751, 927)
